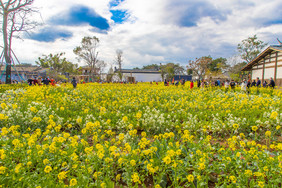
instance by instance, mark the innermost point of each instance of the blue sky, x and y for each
(150, 31)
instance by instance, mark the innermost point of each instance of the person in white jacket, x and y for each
(244, 86)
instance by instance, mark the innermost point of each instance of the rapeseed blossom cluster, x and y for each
(139, 135)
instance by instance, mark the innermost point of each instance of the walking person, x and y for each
(244, 86)
(226, 85)
(254, 83)
(265, 84)
(165, 82)
(232, 85)
(191, 84)
(258, 84)
(272, 83)
(249, 83)
(74, 82)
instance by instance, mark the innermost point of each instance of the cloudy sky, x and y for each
(150, 31)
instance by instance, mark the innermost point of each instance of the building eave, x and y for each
(262, 55)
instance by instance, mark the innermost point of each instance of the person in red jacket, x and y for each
(52, 82)
(191, 85)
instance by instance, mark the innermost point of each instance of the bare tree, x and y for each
(88, 52)
(119, 61)
(200, 66)
(15, 14)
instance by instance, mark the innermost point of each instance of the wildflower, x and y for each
(73, 182)
(103, 185)
(125, 119)
(36, 119)
(248, 172)
(2, 169)
(261, 184)
(138, 115)
(3, 117)
(190, 178)
(254, 128)
(62, 175)
(167, 160)
(267, 133)
(3, 105)
(132, 162)
(118, 177)
(78, 120)
(233, 179)
(33, 109)
(47, 169)
(202, 166)
(143, 134)
(235, 126)
(135, 178)
(278, 127)
(273, 115)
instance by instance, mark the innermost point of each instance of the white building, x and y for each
(267, 64)
(136, 75)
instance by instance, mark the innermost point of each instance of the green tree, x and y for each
(171, 69)
(58, 66)
(152, 66)
(250, 48)
(200, 66)
(218, 65)
(88, 52)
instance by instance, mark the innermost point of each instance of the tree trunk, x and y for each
(7, 50)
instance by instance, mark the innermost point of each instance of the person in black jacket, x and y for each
(272, 83)
(199, 83)
(74, 82)
(254, 83)
(258, 82)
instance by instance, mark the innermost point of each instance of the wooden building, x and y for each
(266, 65)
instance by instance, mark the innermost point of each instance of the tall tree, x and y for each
(250, 48)
(119, 61)
(169, 70)
(14, 19)
(88, 52)
(58, 66)
(200, 66)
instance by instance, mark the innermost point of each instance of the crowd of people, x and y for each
(41, 81)
(245, 85)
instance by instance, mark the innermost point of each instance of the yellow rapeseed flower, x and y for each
(190, 178)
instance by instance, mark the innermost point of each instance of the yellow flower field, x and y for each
(139, 135)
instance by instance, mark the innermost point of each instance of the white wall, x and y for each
(268, 72)
(256, 73)
(143, 77)
(279, 72)
(147, 77)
